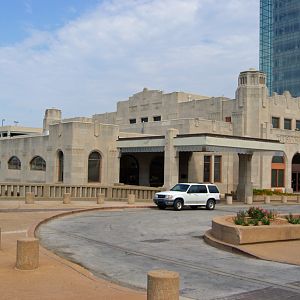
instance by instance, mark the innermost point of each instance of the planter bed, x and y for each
(226, 231)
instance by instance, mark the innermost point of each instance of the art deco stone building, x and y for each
(158, 139)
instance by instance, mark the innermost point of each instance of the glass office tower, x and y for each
(280, 44)
(266, 39)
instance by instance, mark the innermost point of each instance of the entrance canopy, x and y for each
(225, 143)
(203, 142)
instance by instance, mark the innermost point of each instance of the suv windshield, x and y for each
(180, 188)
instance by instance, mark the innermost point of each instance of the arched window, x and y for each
(60, 164)
(14, 163)
(278, 167)
(94, 167)
(38, 164)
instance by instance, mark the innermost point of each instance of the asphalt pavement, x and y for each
(123, 245)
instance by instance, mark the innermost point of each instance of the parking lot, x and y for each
(123, 245)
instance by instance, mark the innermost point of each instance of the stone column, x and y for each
(131, 198)
(29, 198)
(163, 285)
(100, 198)
(212, 168)
(283, 199)
(288, 175)
(67, 198)
(244, 188)
(27, 254)
(171, 164)
(228, 200)
(267, 199)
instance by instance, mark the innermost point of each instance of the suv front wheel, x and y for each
(210, 204)
(178, 204)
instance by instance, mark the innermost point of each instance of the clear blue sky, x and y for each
(19, 17)
(82, 56)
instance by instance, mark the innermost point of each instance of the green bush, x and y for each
(293, 220)
(267, 192)
(254, 216)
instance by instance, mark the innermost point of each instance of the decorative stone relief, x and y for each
(96, 129)
(287, 139)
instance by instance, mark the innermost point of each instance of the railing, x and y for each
(15, 191)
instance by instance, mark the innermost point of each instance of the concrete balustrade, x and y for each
(100, 198)
(78, 192)
(228, 200)
(298, 199)
(29, 198)
(67, 198)
(284, 199)
(131, 198)
(27, 254)
(162, 285)
(267, 199)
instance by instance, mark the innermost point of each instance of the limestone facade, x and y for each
(75, 150)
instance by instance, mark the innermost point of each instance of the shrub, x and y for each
(293, 220)
(255, 216)
(265, 221)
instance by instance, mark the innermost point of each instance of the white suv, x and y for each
(191, 194)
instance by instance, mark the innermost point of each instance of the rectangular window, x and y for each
(288, 124)
(297, 124)
(157, 118)
(144, 120)
(217, 168)
(132, 121)
(277, 178)
(206, 170)
(228, 119)
(275, 122)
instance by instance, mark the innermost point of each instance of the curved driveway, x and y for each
(124, 245)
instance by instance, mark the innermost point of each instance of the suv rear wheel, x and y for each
(178, 204)
(210, 204)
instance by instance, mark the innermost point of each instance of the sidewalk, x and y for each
(56, 278)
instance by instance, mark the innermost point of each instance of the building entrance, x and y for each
(296, 173)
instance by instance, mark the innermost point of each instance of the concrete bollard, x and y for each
(284, 199)
(162, 285)
(298, 198)
(100, 198)
(27, 254)
(249, 200)
(29, 198)
(131, 198)
(228, 200)
(67, 198)
(267, 199)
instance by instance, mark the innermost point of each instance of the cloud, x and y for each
(120, 47)
(28, 6)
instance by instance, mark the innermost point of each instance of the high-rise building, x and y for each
(280, 45)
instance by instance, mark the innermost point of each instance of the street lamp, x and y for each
(3, 121)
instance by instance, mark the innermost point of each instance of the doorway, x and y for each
(296, 173)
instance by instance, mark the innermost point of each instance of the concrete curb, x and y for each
(78, 268)
(212, 241)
